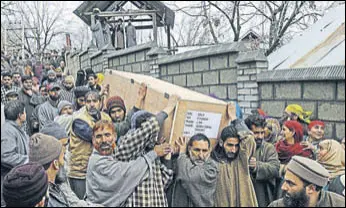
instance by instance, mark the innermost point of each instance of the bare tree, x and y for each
(283, 15)
(223, 21)
(41, 22)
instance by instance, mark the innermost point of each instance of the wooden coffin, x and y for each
(194, 113)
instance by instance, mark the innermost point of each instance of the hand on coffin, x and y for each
(181, 142)
(231, 111)
(172, 102)
(163, 149)
(142, 92)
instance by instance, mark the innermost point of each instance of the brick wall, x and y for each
(325, 95)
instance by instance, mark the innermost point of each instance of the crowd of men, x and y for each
(68, 143)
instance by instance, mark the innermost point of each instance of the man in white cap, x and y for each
(303, 183)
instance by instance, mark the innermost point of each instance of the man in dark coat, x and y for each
(14, 141)
(25, 95)
(264, 165)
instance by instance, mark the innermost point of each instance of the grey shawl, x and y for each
(194, 185)
(110, 182)
(47, 112)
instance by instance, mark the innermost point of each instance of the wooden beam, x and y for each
(144, 27)
(155, 27)
(168, 37)
(134, 20)
(123, 13)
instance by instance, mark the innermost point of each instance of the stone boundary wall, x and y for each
(321, 90)
(209, 71)
(134, 59)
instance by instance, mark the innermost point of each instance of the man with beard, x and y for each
(49, 152)
(59, 73)
(81, 141)
(60, 186)
(92, 82)
(303, 183)
(25, 95)
(51, 78)
(265, 165)
(37, 100)
(17, 79)
(67, 93)
(65, 117)
(116, 109)
(16, 68)
(196, 173)
(234, 187)
(102, 186)
(79, 97)
(49, 110)
(7, 86)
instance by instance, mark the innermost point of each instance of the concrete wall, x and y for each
(325, 96)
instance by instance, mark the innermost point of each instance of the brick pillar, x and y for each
(249, 64)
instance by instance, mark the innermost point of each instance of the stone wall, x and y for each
(210, 70)
(135, 59)
(321, 90)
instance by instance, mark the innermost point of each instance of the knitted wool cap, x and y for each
(53, 129)
(308, 170)
(25, 185)
(115, 101)
(44, 148)
(62, 104)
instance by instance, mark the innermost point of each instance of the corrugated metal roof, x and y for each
(336, 72)
(322, 44)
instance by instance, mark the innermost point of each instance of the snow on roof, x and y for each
(322, 44)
